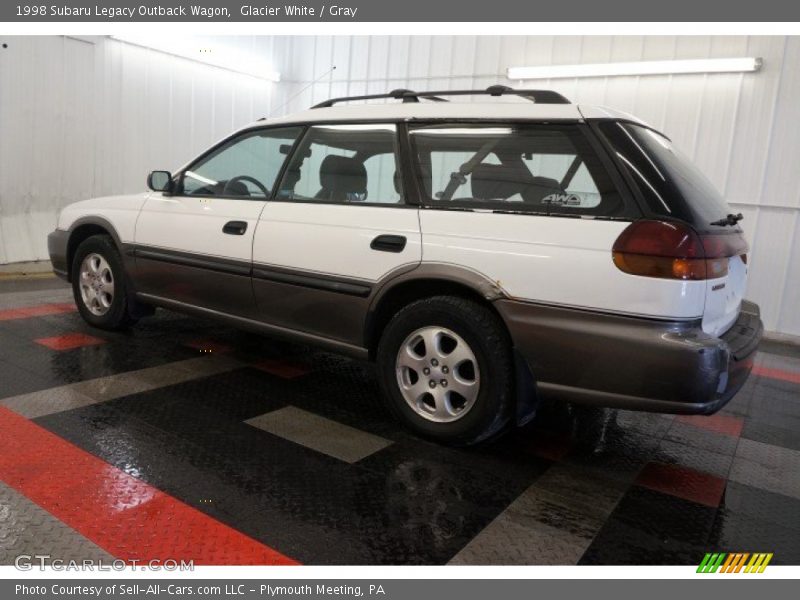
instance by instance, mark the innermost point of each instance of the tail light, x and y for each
(675, 251)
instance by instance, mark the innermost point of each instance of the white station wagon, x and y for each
(485, 255)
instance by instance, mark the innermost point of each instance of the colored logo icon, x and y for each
(735, 562)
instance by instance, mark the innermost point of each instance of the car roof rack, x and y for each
(537, 96)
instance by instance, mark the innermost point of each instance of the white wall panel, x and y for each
(37, 176)
(90, 117)
(82, 119)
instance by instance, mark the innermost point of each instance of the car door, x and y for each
(338, 224)
(195, 246)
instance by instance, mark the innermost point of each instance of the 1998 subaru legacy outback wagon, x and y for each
(484, 254)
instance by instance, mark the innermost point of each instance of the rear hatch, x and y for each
(673, 188)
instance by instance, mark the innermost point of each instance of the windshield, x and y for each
(667, 178)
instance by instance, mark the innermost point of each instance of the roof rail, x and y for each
(538, 96)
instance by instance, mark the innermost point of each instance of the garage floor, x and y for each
(184, 439)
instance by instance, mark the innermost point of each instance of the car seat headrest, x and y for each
(342, 175)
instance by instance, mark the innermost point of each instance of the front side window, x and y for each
(246, 167)
(344, 164)
(549, 169)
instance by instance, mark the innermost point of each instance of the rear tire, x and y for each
(446, 369)
(100, 285)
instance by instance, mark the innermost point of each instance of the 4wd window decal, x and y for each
(572, 199)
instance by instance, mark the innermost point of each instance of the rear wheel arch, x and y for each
(409, 354)
(394, 296)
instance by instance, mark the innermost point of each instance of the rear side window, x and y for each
(345, 164)
(245, 167)
(548, 169)
(668, 181)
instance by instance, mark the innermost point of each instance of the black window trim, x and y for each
(582, 126)
(414, 196)
(624, 170)
(404, 152)
(410, 201)
(613, 170)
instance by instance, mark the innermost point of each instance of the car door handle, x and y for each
(389, 243)
(235, 227)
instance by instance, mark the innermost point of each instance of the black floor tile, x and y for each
(615, 453)
(697, 437)
(471, 473)
(771, 434)
(16, 285)
(345, 391)
(752, 502)
(692, 457)
(776, 398)
(618, 543)
(775, 419)
(736, 532)
(15, 380)
(665, 517)
(223, 400)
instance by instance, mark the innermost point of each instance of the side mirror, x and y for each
(160, 181)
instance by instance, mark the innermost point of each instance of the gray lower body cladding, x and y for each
(632, 363)
(574, 355)
(57, 243)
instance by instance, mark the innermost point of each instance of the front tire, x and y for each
(446, 370)
(99, 284)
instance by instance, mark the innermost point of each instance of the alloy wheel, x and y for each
(438, 374)
(96, 284)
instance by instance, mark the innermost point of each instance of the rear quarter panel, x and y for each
(554, 260)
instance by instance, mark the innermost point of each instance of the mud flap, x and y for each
(527, 399)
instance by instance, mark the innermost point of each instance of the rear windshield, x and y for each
(669, 182)
(539, 168)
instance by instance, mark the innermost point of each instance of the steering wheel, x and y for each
(248, 179)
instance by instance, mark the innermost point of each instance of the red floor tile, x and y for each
(40, 310)
(683, 483)
(69, 341)
(125, 516)
(718, 423)
(282, 368)
(790, 376)
(210, 346)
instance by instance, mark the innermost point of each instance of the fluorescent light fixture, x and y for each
(207, 51)
(650, 67)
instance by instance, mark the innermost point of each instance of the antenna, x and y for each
(285, 104)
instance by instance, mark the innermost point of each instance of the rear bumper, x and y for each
(57, 247)
(633, 363)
